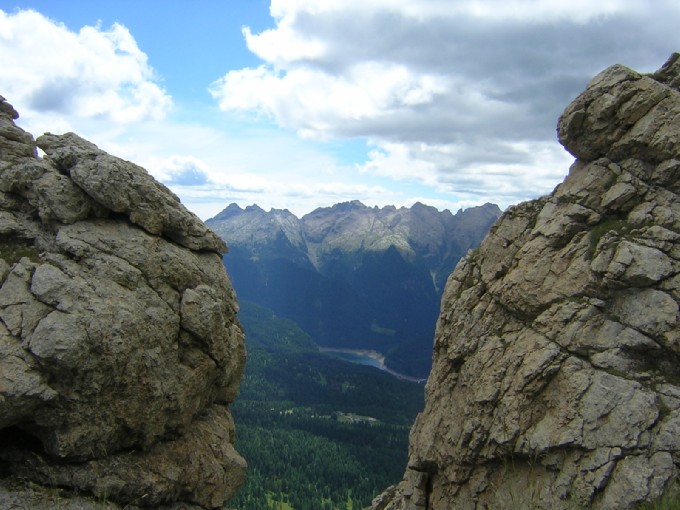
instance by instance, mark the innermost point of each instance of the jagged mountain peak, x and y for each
(253, 226)
(350, 226)
(234, 209)
(228, 212)
(352, 275)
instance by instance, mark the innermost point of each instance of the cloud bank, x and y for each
(448, 102)
(460, 96)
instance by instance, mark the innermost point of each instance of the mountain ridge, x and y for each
(350, 275)
(351, 225)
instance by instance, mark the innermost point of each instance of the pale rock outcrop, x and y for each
(120, 349)
(557, 354)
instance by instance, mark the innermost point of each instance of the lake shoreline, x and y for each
(374, 355)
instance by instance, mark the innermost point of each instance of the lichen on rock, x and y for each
(556, 374)
(120, 349)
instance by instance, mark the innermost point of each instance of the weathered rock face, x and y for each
(120, 349)
(556, 378)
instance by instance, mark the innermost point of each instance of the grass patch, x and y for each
(473, 255)
(662, 504)
(669, 501)
(11, 251)
(619, 226)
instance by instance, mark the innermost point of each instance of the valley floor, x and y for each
(320, 433)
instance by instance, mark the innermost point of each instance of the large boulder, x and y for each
(556, 377)
(120, 350)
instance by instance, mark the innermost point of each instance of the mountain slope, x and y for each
(353, 276)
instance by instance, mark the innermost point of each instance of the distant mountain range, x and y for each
(353, 276)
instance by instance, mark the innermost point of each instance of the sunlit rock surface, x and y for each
(556, 378)
(120, 349)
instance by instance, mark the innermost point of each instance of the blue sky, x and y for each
(300, 104)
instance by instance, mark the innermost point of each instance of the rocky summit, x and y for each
(556, 377)
(120, 349)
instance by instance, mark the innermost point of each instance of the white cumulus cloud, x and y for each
(49, 71)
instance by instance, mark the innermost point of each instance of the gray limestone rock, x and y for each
(120, 349)
(15, 143)
(555, 375)
(123, 187)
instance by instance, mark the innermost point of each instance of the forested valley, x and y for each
(318, 432)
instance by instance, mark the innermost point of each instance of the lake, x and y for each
(368, 358)
(361, 359)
